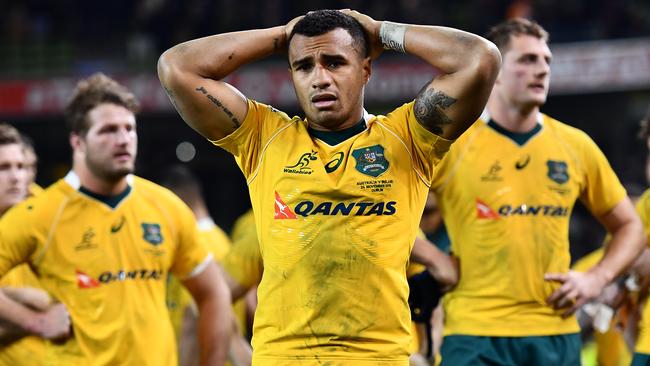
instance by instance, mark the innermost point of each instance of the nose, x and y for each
(543, 68)
(322, 77)
(125, 135)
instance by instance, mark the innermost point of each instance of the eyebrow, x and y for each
(326, 57)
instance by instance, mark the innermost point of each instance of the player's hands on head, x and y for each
(289, 27)
(54, 323)
(371, 27)
(577, 288)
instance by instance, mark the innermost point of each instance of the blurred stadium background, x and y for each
(600, 74)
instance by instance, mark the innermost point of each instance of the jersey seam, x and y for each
(259, 161)
(417, 172)
(50, 233)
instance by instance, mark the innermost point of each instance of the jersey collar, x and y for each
(112, 201)
(336, 137)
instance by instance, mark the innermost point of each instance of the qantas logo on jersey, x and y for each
(483, 211)
(85, 281)
(282, 211)
(328, 208)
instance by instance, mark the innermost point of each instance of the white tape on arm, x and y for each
(392, 36)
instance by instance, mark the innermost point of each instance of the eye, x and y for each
(303, 67)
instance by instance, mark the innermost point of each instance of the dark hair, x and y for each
(501, 33)
(9, 135)
(180, 179)
(319, 22)
(91, 92)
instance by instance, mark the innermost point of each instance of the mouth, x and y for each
(537, 87)
(323, 100)
(122, 156)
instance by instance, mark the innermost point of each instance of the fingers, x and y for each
(556, 277)
(577, 305)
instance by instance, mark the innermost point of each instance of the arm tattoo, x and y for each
(276, 44)
(428, 109)
(220, 105)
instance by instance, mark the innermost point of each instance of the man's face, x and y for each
(525, 72)
(31, 162)
(328, 75)
(110, 145)
(13, 176)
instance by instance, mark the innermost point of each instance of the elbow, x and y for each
(165, 67)
(488, 61)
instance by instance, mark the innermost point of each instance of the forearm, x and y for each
(16, 319)
(217, 56)
(449, 50)
(625, 246)
(214, 331)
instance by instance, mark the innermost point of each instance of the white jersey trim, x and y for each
(206, 224)
(200, 267)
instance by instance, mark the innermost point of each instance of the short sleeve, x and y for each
(602, 190)
(247, 142)
(17, 241)
(427, 148)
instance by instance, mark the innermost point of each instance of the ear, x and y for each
(76, 141)
(367, 69)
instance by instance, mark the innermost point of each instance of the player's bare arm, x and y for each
(192, 74)
(468, 66)
(212, 298)
(20, 319)
(626, 244)
(443, 268)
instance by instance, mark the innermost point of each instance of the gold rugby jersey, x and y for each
(336, 223)
(643, 343)
(244, 262)
(107, 261)
(178, 297)
(506, 199)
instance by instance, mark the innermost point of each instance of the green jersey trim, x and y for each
(336, 137)
(520, 138)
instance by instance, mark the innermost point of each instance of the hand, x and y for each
(54, 323)
(371, 27)
(289, 27)
(445, 271)
(577, 289)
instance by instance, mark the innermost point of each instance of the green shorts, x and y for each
(463, 350)
(640, 359)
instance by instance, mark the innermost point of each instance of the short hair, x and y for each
(501, 33)
(316, 23)
(9, 135)
(644, 127)
(91, 92)
(180, 179)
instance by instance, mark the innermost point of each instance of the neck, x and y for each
(99, 185)
(513, 118)
(350, 122)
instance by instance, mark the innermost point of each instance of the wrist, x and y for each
(604, 276)
(392, 36)
(33, 324)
